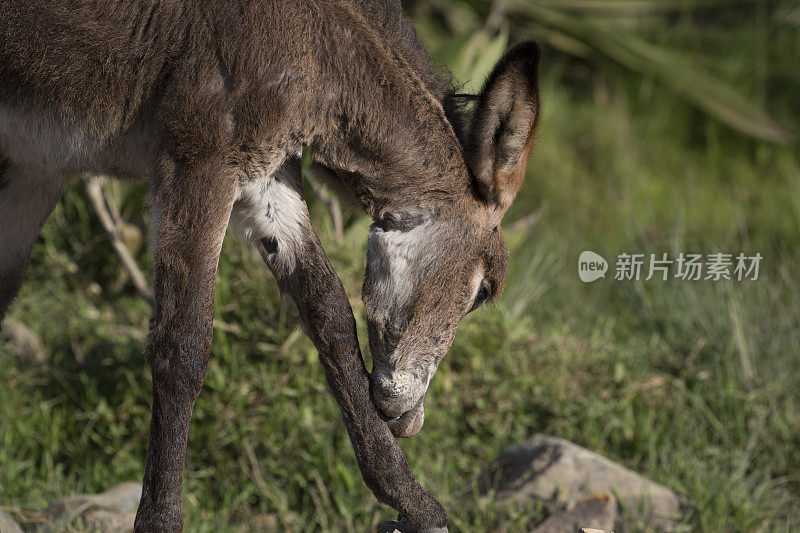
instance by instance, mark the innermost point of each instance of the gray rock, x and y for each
(552, 469)
(26, 342)
(598, 512)
(7, 524)
(107, 512)
(105, 521)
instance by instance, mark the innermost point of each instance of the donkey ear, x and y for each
(503, 126)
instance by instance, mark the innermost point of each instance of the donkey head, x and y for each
(427, 267)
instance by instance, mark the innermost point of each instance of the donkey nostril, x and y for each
(391, 406)
(393, 395)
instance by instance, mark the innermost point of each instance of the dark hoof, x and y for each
(393, 526)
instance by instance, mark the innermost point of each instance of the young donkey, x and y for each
(212, 100)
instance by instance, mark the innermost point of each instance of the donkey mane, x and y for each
(430, 159)
(387, 18)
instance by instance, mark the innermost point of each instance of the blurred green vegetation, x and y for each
(662, 132)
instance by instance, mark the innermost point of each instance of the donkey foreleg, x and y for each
(328, 318)
(274, 217)
(191, 209)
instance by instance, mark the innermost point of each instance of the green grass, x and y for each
(693, 384)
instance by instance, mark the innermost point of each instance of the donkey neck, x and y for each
(387, 129)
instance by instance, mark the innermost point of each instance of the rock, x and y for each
(552, 469)
(7, 524)
(110, 511)
(27, 343)
(105, 521)
(599, 512)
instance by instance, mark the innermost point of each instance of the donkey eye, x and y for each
(482, 296)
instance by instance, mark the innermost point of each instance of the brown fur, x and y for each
(209, 97)
(504, 125)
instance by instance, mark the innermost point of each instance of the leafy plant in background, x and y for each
(598, 30)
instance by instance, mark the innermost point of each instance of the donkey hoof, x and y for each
(393, 526)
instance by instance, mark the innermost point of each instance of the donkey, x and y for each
(212, 100)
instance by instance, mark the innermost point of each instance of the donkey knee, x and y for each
(178, 362)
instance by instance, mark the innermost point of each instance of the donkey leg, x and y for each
(191, 209)
(274, 218)
(26, 200)
(328, 318)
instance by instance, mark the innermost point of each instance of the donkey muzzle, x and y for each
(409, 423)
(399, 398)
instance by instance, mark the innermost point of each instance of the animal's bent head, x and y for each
(427, 267)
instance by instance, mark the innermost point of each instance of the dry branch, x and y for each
(94, 190)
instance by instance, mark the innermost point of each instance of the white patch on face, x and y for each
(271, 207)
(394, 256)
